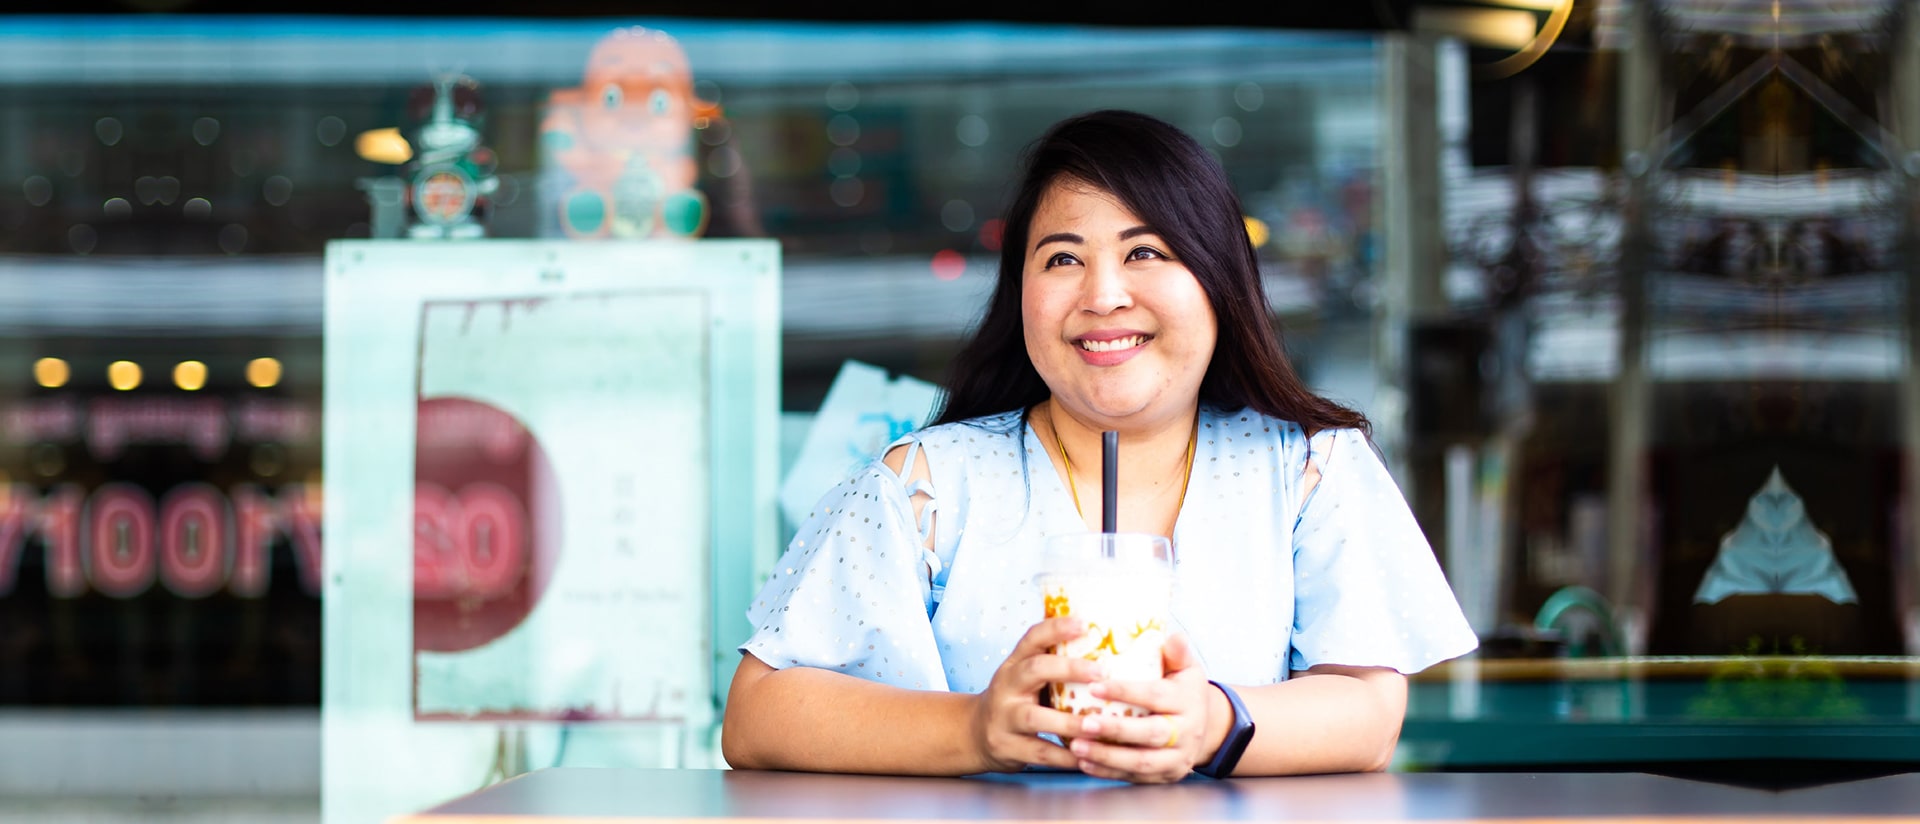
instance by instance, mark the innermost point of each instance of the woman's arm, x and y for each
(1327, 719)
(802, 718)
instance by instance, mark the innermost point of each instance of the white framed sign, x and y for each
(548, 468)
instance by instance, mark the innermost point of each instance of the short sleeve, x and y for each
(1368, 591)
(851, 594)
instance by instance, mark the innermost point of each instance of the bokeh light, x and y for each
(123, 375)
(1257, 232)
(51, 373)
(263, 372)
(949, 264)
(190, 375)
(383, 146)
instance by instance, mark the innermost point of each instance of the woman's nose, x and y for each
(1105, 289)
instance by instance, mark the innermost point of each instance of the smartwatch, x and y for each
(1238, 737)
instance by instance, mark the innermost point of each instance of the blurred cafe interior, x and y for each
(1625, 286)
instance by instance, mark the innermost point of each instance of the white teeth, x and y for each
(1113, 345)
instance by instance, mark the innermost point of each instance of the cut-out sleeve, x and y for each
(1368, 591)
(854, 591)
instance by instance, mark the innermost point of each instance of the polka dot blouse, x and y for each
(1264, 583)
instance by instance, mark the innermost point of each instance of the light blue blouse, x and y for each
(1263, 585)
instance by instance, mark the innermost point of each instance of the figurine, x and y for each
(619, 150)
(451, 176)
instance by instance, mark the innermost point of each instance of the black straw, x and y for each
(1109, 481)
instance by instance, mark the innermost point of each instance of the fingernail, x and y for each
(1090, 726)
(1081, 748)
(1098, 688)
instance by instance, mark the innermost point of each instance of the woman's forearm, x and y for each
(1331, 719)
(802, 718)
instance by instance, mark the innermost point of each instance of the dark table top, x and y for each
(608, 795)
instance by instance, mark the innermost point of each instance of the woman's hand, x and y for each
(1007, 716)
(1158, 749)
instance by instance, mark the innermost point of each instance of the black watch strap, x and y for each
(1239, 735)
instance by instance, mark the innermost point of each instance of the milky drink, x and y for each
(1120, 585)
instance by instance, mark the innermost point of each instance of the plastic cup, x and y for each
(1121, 584)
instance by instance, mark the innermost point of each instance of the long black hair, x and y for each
(1167, 180)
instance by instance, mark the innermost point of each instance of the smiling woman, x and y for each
(902, 633)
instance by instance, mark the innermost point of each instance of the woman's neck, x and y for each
(1153, 464)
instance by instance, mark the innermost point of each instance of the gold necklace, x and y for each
(1186, 478)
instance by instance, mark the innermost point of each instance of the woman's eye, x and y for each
(1144, 253)
(1061, 259)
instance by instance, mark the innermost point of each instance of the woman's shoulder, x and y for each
(954, 450)
(1247, 422)
(990, 429)
(1251, 424)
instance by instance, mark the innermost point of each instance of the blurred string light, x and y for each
(330, 131)
(51, 373)
(1248, 96)
(277, 190)
(109, 130)
(1227, 132)
(1500, 24)
(991, 232)
(233, 238)
(152, 190)
(82, 238)
(957, 215)
(972, 130)
(843, 130)
(206, 130)
(949, 264)
(190, 375)
(383, 146)
(263, 372)
(846, 192)
(842, 96)
(38, 190)
(1257, 232)
(123, 375)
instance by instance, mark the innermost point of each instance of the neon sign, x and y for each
(195, 540)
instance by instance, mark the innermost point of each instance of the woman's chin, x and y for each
(1121, 408)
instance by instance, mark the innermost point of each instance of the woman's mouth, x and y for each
(1108, 349)
(1114, 345)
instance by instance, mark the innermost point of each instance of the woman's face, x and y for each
(1118, 327)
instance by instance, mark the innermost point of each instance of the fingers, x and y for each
(1158, 731)
(1035, 719)
(1048, 633)
(1010, 720)
(1177, 654)
(1030, 667)
(1136, 764)
(1162, 696)
(1044, 753)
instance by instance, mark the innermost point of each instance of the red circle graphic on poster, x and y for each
(486, 524)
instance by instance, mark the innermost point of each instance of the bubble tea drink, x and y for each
(1120, 585)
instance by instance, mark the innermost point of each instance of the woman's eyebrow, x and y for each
(1059, 237)
(1136, 232)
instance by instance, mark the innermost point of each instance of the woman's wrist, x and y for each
(1219, 722)
(976, 750)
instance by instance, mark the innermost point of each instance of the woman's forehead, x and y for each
(1071, 198)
